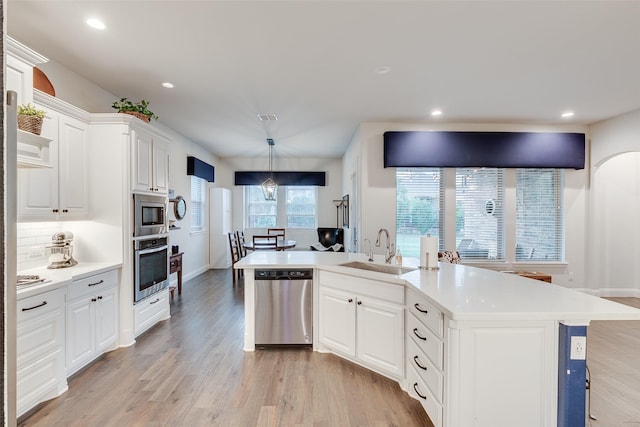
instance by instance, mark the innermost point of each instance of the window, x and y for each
(294, 207)
(198, 186)
(539, 215)
(418, 207)
(479, 213)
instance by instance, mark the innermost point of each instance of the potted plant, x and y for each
(137, 109)
(30, 118)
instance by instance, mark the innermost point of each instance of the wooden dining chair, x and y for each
(241, 242)
(268, 242)
(276, 232)
(234, 248)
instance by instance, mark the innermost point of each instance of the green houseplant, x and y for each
(138, 109)
(30, 118)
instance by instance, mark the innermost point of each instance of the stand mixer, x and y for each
(61, 250)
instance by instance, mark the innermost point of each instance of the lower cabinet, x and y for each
(150, 311)
(363, 320)
(92, 318)
(40, 349)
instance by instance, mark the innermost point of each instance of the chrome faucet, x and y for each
(369, 253)
(387, 254)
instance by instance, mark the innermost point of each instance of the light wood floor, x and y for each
(613, 357)
(191, 371)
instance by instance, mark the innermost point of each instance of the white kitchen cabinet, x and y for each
(61, 191)
(150, 163)
(219, 227)
(363, 320)
(92, 318)
(19, 69)
(150, 311)
(40, 349)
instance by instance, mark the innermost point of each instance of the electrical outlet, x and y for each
(578, 348)
(36, 252)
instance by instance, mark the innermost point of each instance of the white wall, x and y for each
(226, 167)
(377, 194)
(615, 206)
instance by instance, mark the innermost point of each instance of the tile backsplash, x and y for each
(33, 237)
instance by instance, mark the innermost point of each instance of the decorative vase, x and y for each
(31, 124)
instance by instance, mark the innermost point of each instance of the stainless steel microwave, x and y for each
(150, 215)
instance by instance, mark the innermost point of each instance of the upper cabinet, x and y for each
(19, 69)
(150, 168)
(61, 191)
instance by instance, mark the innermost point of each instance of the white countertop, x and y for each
(62, 276)
(464, 292)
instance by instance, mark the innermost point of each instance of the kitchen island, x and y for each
(474, 346)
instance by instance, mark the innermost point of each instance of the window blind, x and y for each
(480, 213)
(539, 215)
(197, 207)
(419, 203)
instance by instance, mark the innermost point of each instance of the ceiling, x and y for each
(313, 63)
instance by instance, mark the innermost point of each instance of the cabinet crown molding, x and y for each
(51, 102)
(24, 53)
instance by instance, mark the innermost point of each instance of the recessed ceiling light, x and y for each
(567, 114)
(96, 23)
(265, 117)
(436, 113)
(383, 69)
(168, 85)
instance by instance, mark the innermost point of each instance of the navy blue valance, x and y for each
(199, 168)
(484, 149)
(281, 178)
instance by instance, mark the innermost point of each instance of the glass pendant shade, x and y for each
(269, 189)
(269, 186)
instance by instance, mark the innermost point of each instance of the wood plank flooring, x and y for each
(613, 358)
(191, 371)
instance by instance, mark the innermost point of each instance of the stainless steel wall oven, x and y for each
(151, 266)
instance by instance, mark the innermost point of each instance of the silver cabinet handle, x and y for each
(153, 302)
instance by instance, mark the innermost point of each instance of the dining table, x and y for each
(281, 244)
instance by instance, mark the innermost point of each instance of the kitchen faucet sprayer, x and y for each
(369, 253)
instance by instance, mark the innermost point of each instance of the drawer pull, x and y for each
(417, 362)
(95, 284)
(421, 310)
(415, 332)
(153, 302)
(35, 306)
(415, 387)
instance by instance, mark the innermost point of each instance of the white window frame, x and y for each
(281, 207)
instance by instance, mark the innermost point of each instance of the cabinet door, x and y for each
(106, 320)
(80, 333)
(38, 188)
(336, 328)
(160, 177)
(73, 185)
(379, 337)
(142, 161)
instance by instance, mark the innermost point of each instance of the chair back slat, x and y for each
(241, 242)
(280, 232)
(266, 242)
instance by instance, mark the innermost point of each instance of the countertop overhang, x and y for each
(464, 292)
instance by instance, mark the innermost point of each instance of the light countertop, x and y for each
(62, 276)
(464, 292)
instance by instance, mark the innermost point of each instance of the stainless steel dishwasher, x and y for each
(283, 307)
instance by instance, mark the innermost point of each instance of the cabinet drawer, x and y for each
(150, 311)
(430, 375)
(372, 288)
(40, 380)
(40, 304)
(92, 284)
(426, 340)
(426, 312)
(418, 390)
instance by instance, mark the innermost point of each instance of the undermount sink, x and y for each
(379, 268)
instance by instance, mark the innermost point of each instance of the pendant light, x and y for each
(269, 186)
